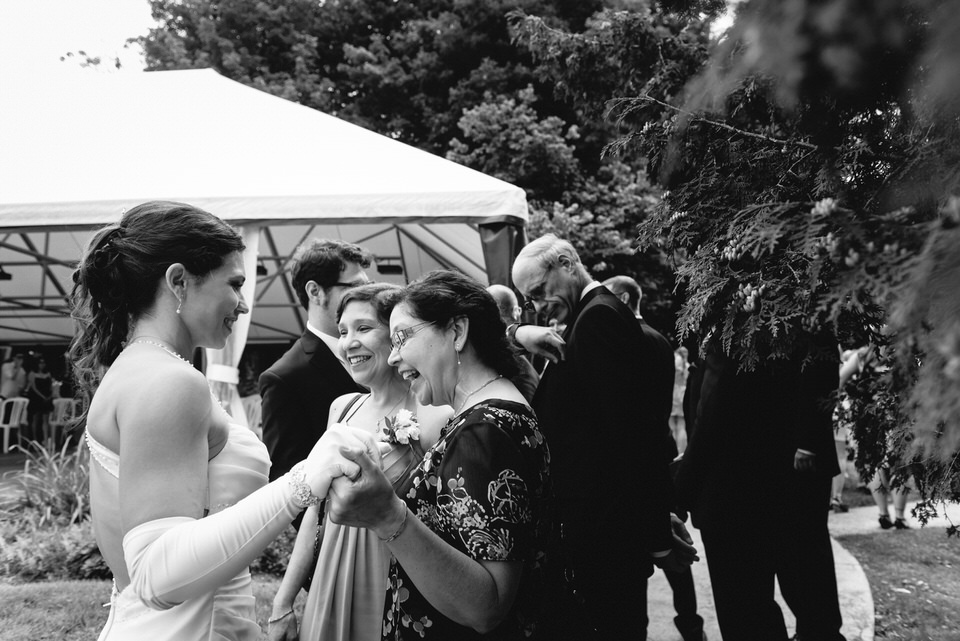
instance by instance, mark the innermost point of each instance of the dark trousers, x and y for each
(688, 622)
(788, 541)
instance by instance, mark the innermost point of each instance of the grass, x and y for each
(73, 610)
(915, 582)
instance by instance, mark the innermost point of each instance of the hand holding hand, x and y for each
(542, 341)
(804, 461)
(366, 500)
(326, 462)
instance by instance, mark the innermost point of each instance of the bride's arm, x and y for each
(171, 553)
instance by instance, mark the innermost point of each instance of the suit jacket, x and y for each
(297, 392)
(749, 426)
(604, 411)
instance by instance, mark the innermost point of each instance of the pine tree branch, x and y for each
(777, 141)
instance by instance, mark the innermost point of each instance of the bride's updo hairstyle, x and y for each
(120, 273)
(441, 296)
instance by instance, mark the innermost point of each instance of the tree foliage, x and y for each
(810, 162)
(447, 77)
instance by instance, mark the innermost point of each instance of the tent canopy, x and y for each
(77, 150)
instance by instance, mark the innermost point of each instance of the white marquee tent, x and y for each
(77, 150)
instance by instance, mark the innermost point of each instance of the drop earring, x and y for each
(179, 305)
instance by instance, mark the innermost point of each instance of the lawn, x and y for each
(73, 610)
(915, 582)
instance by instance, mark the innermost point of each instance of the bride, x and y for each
(179, 496)
(349, 586)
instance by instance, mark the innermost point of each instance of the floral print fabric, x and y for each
(482, 488)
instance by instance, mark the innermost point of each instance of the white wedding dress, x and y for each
(223, 609)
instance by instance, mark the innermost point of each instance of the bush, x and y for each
(32, 551)
(54, 485)
(46, 533)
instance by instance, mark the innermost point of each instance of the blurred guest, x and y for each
(350, 579)
(40, 392)
(13, 377)
(663, 369)
(607, 427)
(297, 390)
(467, 528)
(769, 430)
(510, 311)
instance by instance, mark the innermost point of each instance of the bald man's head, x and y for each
(507, 302)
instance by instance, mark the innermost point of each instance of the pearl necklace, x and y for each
(468, 396)
(145, 341)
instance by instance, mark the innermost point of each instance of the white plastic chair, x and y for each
(64, 411)
(13, 415)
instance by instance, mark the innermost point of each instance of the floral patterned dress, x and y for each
(483, 489)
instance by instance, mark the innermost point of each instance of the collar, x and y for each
(593, 284)
(328, 340)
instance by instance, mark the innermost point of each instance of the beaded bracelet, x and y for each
(303, 496)
(280, 618)
(403, 524)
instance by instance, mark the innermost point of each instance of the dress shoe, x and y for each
(885, 522)
(900, 524)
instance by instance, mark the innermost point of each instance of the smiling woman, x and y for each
(178, 494)
(466, 526)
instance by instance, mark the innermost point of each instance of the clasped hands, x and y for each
(347, 470)
(682, 552)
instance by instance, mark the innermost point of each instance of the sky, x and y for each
(34, 34)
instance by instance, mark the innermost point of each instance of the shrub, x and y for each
(54, 484)
(32, 551)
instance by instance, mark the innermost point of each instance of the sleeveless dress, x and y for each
(226, 613)
(349, 588)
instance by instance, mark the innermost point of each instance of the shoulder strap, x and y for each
(350, 403)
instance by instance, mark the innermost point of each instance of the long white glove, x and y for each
(173, 559)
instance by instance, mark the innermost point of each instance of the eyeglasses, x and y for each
(356, 283)
(537, 293)
(400, 337)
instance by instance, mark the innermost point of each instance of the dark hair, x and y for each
(440, 296)
(322, 260)
(383, 297)
(121, 270)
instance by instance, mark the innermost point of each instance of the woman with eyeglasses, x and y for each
(467, 528)
(349, 564)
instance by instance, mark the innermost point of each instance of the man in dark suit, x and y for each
(688, 622)
(298, 389)
(609, 467)
(528, 378)
(756, 478)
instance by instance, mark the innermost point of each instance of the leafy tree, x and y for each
(810, 162)
(447, 77)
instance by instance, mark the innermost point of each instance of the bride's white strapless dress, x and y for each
(227, 611)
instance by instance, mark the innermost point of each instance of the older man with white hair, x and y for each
(596, 407)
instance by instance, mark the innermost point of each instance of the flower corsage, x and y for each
(401, 429)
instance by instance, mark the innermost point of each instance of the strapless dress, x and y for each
(226, 612)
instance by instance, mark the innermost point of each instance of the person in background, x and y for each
(350, 579)
(179, 497)
(606, 422)
(40, 392)
(510, 311)
(467, 530)
(773, 423)
(13, 377)
(663, 368)
(884, 491)
(297, 390)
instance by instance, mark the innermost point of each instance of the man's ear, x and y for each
(315, 293)
(625, 298)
